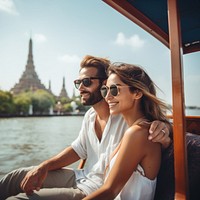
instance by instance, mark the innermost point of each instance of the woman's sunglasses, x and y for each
(114, 90)
(85, 81)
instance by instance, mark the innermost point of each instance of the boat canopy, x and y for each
(176, 23)
(152, 16)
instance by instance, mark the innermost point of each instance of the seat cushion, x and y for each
(165, 184)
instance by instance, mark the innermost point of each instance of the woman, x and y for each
(134, 165)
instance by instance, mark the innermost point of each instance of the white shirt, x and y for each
(87, 145)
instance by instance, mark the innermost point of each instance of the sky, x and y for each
(64, 31)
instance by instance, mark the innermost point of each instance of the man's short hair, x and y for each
(101, 64)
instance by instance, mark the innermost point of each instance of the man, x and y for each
(96, 141)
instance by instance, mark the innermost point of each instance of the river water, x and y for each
(28, 141)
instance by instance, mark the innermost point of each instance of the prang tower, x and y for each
(63, 93)
(29, 80)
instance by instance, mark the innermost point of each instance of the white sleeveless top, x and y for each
(138, 186)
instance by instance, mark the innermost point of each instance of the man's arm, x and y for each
(64, 158)
(161, 132)
(35, 178)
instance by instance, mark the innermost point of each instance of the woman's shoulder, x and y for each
(137, 130)
(138, 134)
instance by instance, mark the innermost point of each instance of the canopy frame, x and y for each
(173, 40)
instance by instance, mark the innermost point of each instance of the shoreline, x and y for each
(44, 115)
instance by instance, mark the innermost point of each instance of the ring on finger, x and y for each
(163, 131)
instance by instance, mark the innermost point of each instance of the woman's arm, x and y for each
(133, 150)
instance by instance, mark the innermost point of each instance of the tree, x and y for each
(42, 101)
(67, 108)
(81, 107)
(22, 102)
(6, 103)
(64, 100)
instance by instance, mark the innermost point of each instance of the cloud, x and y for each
(134, 41)
(39, 38)
(8, 6)
(70, 59)
(193, 79)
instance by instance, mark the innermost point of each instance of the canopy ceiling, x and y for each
(176, 23)
(152, 16)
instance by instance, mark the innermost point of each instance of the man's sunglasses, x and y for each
(85, 81)
(114, 90)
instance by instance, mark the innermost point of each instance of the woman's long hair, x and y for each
(136, 77)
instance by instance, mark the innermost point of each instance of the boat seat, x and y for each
(165, 189)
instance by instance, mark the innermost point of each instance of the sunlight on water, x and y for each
(28, 141)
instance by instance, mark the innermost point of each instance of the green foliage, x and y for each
(6, 103)
(42, 101)
(22, 102)
(64, 100)
(67, 108)
(81, 107)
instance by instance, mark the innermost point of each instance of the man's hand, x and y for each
(34, 179)
(159, 132)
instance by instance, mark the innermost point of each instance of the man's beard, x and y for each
(93, 98)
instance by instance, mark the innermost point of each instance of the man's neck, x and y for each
(102, 115)
(102, 110)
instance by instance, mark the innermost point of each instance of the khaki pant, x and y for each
(59, 185)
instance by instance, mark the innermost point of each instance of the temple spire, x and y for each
(49, 89)
(63, 82)
(63, 93)
(30, 56)
(29, 80)
(49, 85)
